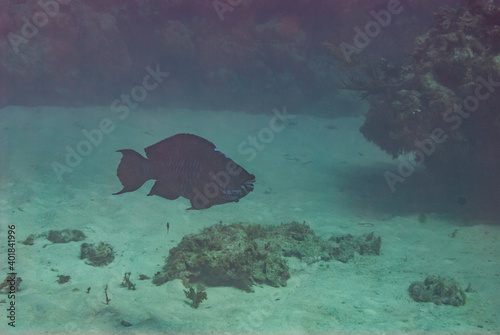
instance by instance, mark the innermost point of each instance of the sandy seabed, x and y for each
(321, 171)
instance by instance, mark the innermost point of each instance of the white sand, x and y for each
(330, 178)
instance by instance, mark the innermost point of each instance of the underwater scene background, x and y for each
(343, 178)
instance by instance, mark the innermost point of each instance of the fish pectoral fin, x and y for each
(199, 202)
(164, 190)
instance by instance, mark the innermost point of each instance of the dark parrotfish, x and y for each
(188, 166)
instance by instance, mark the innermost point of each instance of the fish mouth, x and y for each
(248, 185)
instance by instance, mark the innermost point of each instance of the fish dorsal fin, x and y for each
(174, 145)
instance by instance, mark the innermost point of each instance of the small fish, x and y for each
(189, 166)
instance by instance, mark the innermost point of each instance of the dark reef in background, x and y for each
(443, 104)
(262, 55)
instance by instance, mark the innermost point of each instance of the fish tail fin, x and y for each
(133, 171)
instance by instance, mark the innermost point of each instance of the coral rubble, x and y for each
(438, 290)
(63, 279)
(11, 282)
(57, 236)
(65, 235)
(347, 245)
(100, 255)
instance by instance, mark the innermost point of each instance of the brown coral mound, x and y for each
(244, 254)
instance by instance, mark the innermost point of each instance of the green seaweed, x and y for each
(127, 283)
(196, 295)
